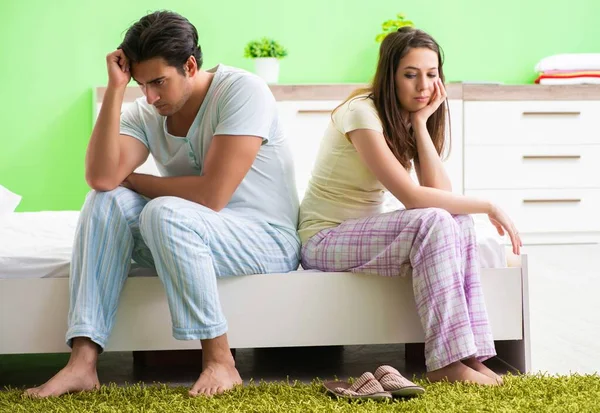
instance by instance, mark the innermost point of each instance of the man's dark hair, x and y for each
(162, 34)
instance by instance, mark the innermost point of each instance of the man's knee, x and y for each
(155, 212)
(168, 216)
(162, 216)
(99, 201)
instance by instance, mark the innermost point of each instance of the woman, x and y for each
(371, 144)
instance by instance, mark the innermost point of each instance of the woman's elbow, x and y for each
(409, 202)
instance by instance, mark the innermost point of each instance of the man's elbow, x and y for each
(216, 202)
(100, 184)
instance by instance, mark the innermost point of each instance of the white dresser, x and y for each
(534, 150)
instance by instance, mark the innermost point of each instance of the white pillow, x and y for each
(569, 61)
(8, 202)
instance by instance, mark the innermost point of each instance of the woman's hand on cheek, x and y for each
(419, 118)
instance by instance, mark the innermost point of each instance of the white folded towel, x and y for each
(571, 81)
(569, 61)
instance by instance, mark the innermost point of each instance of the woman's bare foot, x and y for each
(216, 379)
(68, 380)
(482, 368)
(459, 372)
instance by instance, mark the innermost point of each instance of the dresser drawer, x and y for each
(521, 167)
(532, 122)
(543, 210)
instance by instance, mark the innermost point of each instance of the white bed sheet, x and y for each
(39, 244)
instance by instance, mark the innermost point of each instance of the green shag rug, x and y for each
(537, 393)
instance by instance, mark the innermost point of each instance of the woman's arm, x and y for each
(429, 167)
(375, 153)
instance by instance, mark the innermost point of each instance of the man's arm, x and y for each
(111, 157)
(227, 162)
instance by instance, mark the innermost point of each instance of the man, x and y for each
(225, 205)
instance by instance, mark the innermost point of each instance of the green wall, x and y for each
(52, 56)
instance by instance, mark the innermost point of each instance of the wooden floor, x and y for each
(565, 308)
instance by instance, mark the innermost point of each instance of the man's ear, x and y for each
(191, 67)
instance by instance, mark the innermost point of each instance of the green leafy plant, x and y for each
(390, 26)
(264, 47)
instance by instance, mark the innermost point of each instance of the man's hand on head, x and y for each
(118, 67)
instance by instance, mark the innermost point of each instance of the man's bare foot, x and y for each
(482, 368)
(218, 368)
(459, 372)
(78, 375)
(216, 378)
(68, 380)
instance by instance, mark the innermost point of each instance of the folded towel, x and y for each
(569, 72)
(575, 77)
(571, 81)
(569, 61)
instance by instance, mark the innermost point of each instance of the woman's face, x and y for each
(415, 77)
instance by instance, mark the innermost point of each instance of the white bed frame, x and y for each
(301, 308)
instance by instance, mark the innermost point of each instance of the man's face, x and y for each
(164, 86)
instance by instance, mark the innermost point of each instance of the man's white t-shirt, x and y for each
(237, 103)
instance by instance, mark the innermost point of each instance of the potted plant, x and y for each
(266, 54)
(390, 26)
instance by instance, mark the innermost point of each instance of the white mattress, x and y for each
(38, 245)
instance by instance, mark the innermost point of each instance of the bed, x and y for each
(301, 308)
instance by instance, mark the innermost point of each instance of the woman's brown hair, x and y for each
(398, 135)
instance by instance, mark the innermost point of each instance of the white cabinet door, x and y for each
(532, 123)
(547, 210)
(304, 123)
(521, 167)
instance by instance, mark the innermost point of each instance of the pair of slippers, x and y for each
(385, 384)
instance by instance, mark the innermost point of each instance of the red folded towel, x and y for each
(568, 75)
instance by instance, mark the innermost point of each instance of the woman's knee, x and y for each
(437, 215)
(439, 220)
(464, 220)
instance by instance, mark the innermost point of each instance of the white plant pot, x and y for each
(267, 68)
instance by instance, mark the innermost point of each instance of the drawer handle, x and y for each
(551, 201)
(535, 113)
(313, 111)
(551, 157)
